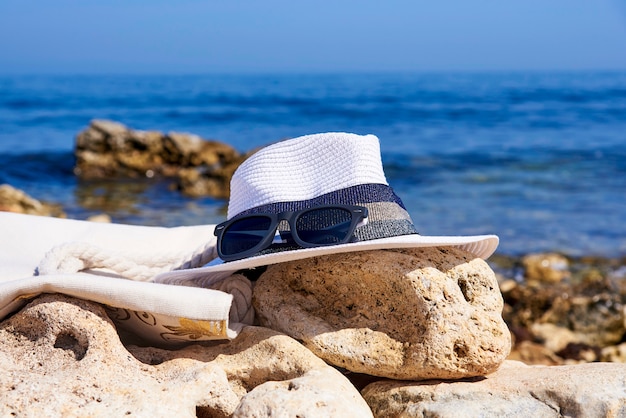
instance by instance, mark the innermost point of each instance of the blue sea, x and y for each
(536, 158)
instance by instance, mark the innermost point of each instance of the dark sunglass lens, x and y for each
(244, 234)
(324, 226)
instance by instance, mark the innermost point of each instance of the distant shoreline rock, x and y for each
(17, 201)
(201, 167)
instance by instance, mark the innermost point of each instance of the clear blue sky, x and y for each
(193, 36)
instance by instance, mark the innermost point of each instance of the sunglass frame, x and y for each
(357, 213)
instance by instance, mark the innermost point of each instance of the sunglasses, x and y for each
(246, 235)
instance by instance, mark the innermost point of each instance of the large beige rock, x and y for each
(515, 390)
(404, 314)
(273, 375)
(322, 392)
(63, 357)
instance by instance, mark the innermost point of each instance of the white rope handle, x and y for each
(78, 256)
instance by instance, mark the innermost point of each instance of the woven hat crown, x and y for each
(304, 168)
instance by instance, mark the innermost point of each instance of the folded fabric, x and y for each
(51, 255)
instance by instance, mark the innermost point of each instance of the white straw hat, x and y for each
(323, 169)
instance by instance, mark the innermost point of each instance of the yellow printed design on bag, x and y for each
(195, 330)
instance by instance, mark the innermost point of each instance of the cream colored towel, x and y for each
(115, 265)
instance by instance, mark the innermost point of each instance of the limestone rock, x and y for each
(515, 390)
(273, 374)
(318, 393)
(100, 217)
(198, 181)
(550, 267)
(202, 167)
(615, 353)
(96, 138)
(592, 313)
(529, 352)
(63, 357)
(554, 338)
(404, 314)
(109, 128)
(216, 164)
(15, 200)
(180, 148)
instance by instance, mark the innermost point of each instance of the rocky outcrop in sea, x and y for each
(200, 167)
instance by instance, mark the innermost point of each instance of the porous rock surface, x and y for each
(404, 314)
(515, 390)
(61, 356)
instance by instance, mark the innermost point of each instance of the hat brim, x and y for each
(482, 246)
